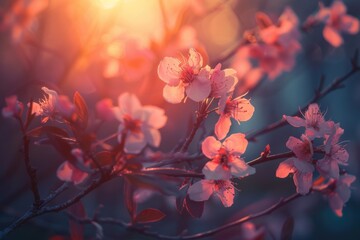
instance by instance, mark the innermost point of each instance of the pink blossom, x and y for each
(52, 105)
(335, 154)
(313, 121)
(128, 60)
(336, 21)
(186, 75)
(301, 165)
(13, 107)
(274, 50)
(249, 231)
(74, 173)
(141, 124)
(338, 192)
(239, 108)
(222, 81)
(203, 189)
(104, 109)
(225, 158)
(20, 17)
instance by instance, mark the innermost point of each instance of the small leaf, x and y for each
(195, 209)
(81, 110)
(62, 146)
(149, 215)
(287, 229)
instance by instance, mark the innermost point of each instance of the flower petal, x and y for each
(332, 36)
(129, 104)
(215, 171)
(152, 136)
(199, 89)
(303, 182)
(201, 190)
(226, 193)
(239, 168)
(295, 121)
(154, 116)
(210, 147)
(236, 143)
(135, 143)
(169, 71)
(285, 168)
(350, 24)
(174, 94)
(222, 127)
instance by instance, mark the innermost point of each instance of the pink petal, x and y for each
(215, 171)
(195, 59)
(240, 169)
(350, 24)
(199, 89)
(222, 127)
(285, 168)
(303, 166)
(152, 136)
(301, 149)
(244, 110)
(174, 94)
(303, 182)
(338, 8)
(210, 147)
(332, 36)
(226, 193)
(169, 71)
(336, 204)
(135, 143)
(236, 143)
(328, 167)
(104, 109)
(295, 121)
(201, 190)
(347, 179)
(65, 172)
(129, 104)
(154, 116)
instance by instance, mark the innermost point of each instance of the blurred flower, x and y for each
(183, 76)
(249, 232)
(313, 121)
(335, 154)
(75, 173)
(203, 189)
(301, 165)
(104, 109)
(21, 15)
(275, 47)
(13, 107)
(222, 81)
(338, 192)
(53, 105)
(225, 158)
(128, 60)
(336, 21)
(239, 108)
(141, 124)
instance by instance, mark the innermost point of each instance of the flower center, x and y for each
(187, 75)
(133, 125)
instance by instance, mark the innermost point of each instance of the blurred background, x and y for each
(103, 48)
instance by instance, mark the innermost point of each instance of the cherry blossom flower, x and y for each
(338, 192)
(53, 105)
(128, 60)
(313, 121)
(249, 231)
(222, 81)
(186, 75)
(301, 165)
(104, 109)
(225, 158)
(13, 107)
(335, 154)
(336, 21)
(74, 173)
(203, 189)
(239, 108)
(274, 49)
(141, 124)
(20, 17)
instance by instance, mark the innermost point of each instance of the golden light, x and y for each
(107, 4)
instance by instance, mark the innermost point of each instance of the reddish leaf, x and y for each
(62, 146)
(266, 151)
(129, 199)
(149, 215)
(195, 209)
(81, 109)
